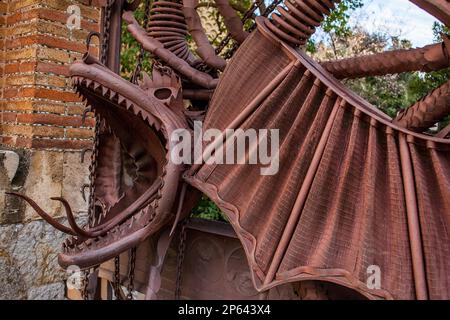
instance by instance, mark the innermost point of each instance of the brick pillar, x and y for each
(39, 108)
(40, 124)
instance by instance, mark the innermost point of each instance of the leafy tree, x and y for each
(336, 25)
(206, 209)
(130, 49)
(390, 93)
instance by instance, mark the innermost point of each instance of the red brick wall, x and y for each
(38, 107)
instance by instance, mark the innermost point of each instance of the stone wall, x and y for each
(41, 136)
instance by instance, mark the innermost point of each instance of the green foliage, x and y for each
(206, 209)
(130, 50)
(336, 25)
(337, 21)
(392, 93)
(389, 93)
(428, 81)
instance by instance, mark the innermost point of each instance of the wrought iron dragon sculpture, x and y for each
(355, 188)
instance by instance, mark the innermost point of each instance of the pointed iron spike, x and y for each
(83, 189)
(112, 94)
(85, 112)
(128, 103)
(146, 80)
(83, 153)
(180, 207)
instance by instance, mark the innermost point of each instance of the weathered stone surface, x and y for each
(75, 175)
(28, 260)
(35, 90)
(29, 249)
(10, 162)
(54, 291)
(43, 182)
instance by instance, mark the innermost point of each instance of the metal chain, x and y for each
(180, 259)
(92, 174)
(138, 69)
(84, 291)
(94, 155)
(116, 283)
(132, 267)
(103, 59)
(106, 34)
(134, 78)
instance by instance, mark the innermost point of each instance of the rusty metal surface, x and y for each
(428, 111)
(437, 8)
(232, 21)
(354, 189)
(296, 20)
(168, 26)
(426, 59)
(344, 197)
(215, 267)
(204, 48)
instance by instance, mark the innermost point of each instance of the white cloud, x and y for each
(398, 17)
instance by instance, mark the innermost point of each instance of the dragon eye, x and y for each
(163, 93)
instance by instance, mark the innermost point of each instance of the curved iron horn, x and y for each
(43, 214)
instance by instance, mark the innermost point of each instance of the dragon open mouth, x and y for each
(135, 185)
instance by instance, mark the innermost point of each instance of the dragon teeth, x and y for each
(130, 225)
(121, 99)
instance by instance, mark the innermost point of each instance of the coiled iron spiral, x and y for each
(167, 25)
(297, 20)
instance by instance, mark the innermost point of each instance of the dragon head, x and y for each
(135, 186)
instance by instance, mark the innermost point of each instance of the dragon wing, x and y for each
(353, 190)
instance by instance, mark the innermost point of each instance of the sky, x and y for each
(401, 17)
